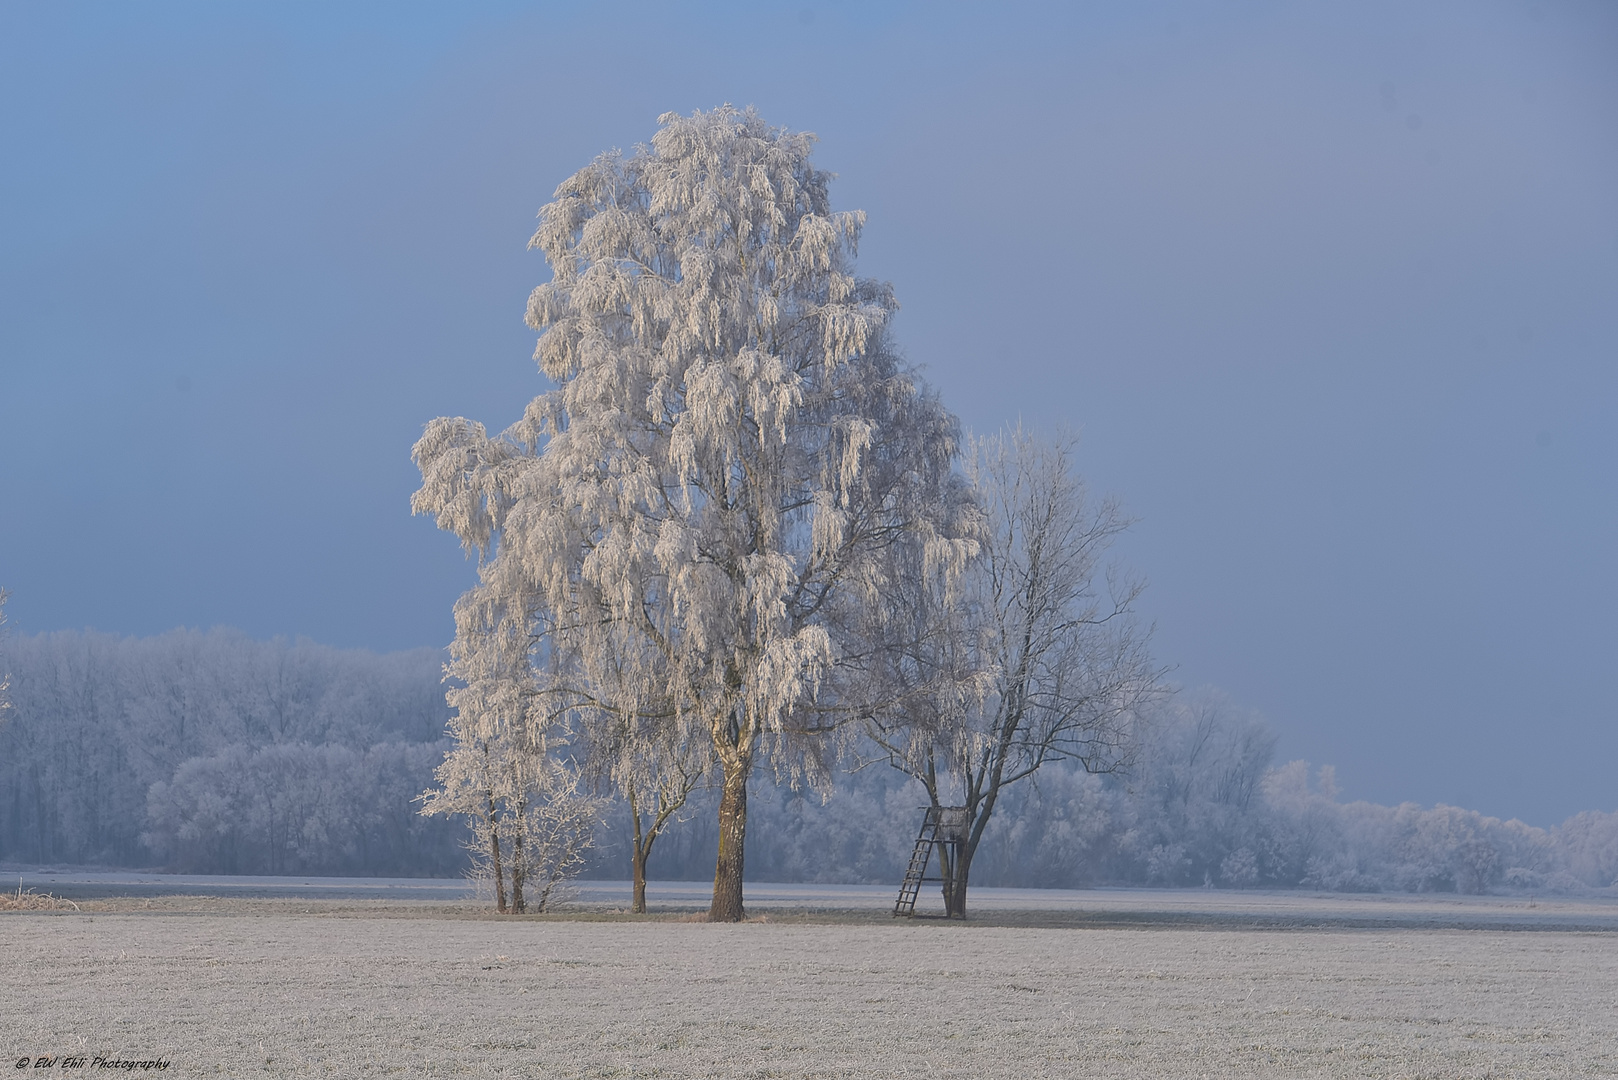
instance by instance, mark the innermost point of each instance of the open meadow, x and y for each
(1116, 984)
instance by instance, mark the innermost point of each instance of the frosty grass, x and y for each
(275, 992)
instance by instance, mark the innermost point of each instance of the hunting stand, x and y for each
(943, 827)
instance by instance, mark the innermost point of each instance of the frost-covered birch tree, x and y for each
(699, 524)
(1063, 666)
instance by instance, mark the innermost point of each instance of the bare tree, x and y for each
(1063, 666)
(696, 527)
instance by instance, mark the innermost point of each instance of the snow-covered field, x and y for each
(378, 988)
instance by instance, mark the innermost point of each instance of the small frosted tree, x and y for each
(702, 520)
(531, 823)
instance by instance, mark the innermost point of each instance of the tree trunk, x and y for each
(727, 879)
(518, 868)
(637, 858)
(494, 857)
(954, 860)
(948, 864)
(955, 885)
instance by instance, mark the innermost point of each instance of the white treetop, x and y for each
(698, 526)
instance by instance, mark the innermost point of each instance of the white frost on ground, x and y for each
(271, 995)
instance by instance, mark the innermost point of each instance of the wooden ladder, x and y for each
(915, 874)
(935, 829)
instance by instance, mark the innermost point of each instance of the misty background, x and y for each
(1329, 293)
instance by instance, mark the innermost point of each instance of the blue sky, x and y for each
(1329, 290)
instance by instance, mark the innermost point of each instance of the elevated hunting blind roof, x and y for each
(949, 821)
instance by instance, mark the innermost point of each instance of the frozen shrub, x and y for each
(1239, 869)
(1166, 864)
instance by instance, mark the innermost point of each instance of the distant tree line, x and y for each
(211, 752)
(214, 753)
